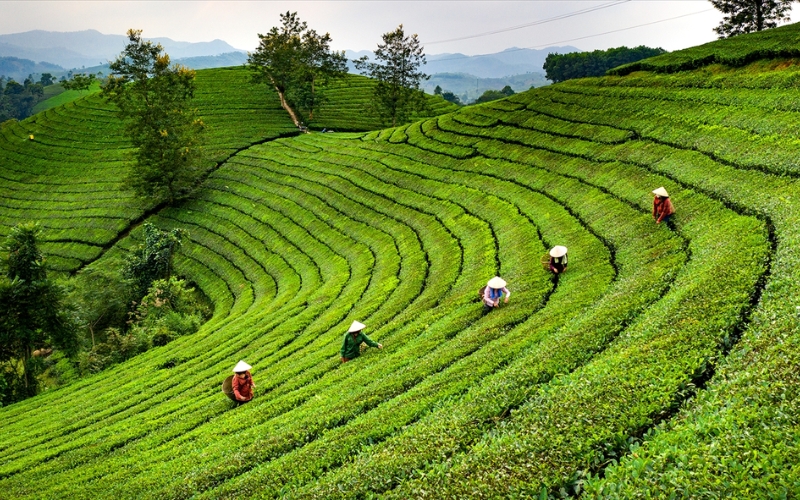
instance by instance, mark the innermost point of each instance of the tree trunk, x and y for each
(25, 371)
(285, 105)
(759, 15)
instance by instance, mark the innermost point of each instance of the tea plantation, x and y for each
(665, 363)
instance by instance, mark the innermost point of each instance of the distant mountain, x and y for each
(91, 48)
(19, 69)
(217, 61)
(469, 87)
(198, 62)
(513, 61)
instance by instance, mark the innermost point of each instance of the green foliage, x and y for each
(493, 95)
(562, 67)
(47, 79)
(297, 62)
(32, 314)
(169, 310)
(152, 260)
(352, 95)
(17, 100)
(155, 100)
(79, 81)
(663, 363)
(737, 51)
(100, 297)
(397, 71)
(116, 348)
(748, 16)
(450, 97)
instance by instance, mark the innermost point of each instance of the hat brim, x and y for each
(241, 366)
(356, 327)
(496, 282)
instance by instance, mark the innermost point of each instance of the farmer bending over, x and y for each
(351, 347)
(492, 292)
(242, 382)
(662, 206)
(558, 259)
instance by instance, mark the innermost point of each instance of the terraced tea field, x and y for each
(65, 166)
(663, 362)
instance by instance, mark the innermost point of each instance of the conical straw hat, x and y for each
(241, 366)
(496, 282)
(356, 327)
(661, 192)
(558, 251)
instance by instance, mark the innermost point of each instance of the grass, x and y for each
(663, 363)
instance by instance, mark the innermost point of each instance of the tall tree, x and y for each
(296, 61)
(154, 98)
(398, 75)
(747, 16)
(31, 312)
(153, 260)
(46, 79)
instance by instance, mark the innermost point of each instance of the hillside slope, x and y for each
(663, 362)
(65, 166)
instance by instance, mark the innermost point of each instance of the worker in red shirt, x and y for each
(662, 206)
(242, 382)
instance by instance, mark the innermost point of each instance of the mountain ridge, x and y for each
(76, 49)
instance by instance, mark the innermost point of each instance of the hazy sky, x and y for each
(469, 27)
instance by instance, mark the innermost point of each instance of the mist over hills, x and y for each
(35, 52)
(512, 61)
(91, 48)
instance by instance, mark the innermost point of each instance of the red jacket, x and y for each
(243, 387)
(662, 207)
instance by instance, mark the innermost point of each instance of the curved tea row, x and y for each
(617, 366)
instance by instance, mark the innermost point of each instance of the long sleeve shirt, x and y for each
(490, 295)
(243, 387)
(662, 207)
(351, 347)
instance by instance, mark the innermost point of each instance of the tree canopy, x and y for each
(154, 98)
(398, 75)
(296, 61)
(32, 314)
(561, 67)
(79, 81)
(152, 260)
(493, 95)
(18, 99)
(747, 16)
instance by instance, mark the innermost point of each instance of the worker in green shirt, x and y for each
(351, 347)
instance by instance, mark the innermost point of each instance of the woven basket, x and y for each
(227, 388)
